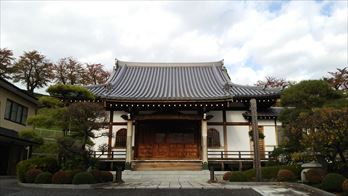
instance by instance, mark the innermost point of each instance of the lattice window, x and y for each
(121, 138)
(213, 138)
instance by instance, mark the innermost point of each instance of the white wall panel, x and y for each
(117, 116)
(235, 116)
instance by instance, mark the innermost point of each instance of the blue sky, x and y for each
(294, 40)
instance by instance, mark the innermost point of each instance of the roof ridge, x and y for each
(169, 64)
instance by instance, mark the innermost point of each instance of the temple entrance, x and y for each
(167, 140)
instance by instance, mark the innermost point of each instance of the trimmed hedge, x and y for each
(238, 177)
(31, 174)
(44, 178)
(270, 173)
(227, 175)
(43, 163)
(285, 175)
(333, 182)
(83, 178)
(62, 177)
(107, 176)
(97, 176)
(345, 186)
(315, 175)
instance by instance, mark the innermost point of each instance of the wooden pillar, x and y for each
(204, 141)
(225, 133)
(111, 120)
(129, 143)
(257, 162)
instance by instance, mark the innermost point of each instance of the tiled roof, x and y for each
(137, 81)
(20, 92)
(272, 112)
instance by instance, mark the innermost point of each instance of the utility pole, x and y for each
(255, 129)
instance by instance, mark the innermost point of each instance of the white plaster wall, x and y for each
(270, 137)
(221, 134)
(265, 122)
(238, 138)
(217, 116)
(235, 116)
(117, 116)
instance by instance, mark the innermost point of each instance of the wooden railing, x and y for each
(114, 155)
(220, 155)
(213, 155)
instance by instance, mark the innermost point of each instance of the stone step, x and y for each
(167, 166)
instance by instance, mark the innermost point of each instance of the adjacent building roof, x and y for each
(12, 136)
(139, 81)
(20, 92)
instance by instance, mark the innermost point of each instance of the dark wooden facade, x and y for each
(167, 140)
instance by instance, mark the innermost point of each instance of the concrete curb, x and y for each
(289, 184)
(314, 189)
(64, 186)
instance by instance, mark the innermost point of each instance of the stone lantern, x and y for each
(306, 167)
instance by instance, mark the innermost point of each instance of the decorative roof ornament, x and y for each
(227, 86)
(116, 63)
(107, 86)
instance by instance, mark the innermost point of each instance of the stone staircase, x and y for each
(167, 165)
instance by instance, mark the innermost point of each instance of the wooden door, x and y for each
(168, 140)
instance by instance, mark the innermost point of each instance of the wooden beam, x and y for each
(257, 162)
(230, 123)
(168, 117)
(224, 130)
(110, 131)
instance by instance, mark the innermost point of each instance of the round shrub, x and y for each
(238, 177)
(107, 176)
(31, 174)
(62, 177)
(315, 175)
(43, 163)
(98, 176)
(83, 178)
(47, 164)
(21, 168)
(333, 182)
(44, 178)
(227, 175)
(345, 186)
(285, 175)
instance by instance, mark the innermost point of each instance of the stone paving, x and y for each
(169, 183)
(199, 180)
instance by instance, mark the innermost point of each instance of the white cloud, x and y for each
(295, 42)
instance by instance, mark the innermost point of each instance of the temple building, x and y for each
(183, 115)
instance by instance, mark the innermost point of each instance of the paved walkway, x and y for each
(169, 183)
(199, 180)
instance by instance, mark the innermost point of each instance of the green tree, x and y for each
(325, 130)
(33, 69)
(6, 63)
(310, 119)
(79, 121)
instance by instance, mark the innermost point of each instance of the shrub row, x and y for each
(67, 177)
(270, 173)
(46, 164)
